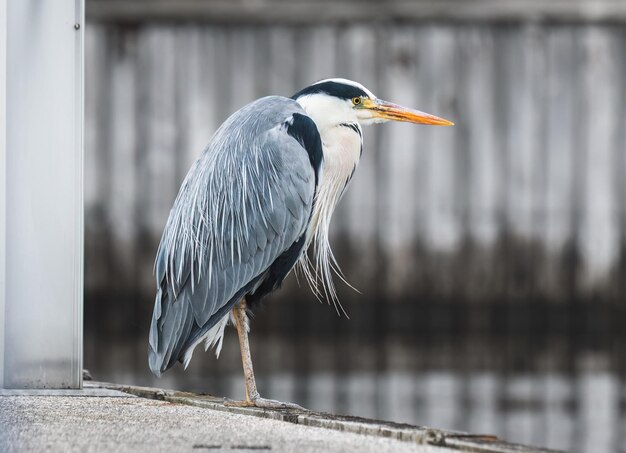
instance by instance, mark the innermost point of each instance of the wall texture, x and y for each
(525, 197)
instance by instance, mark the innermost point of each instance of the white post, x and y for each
(41, 210)
(3, 185)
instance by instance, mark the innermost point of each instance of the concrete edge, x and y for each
(84, 392)
(474, 443)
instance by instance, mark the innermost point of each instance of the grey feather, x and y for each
(238, 210)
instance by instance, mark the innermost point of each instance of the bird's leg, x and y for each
(252, 394)
(241, 322)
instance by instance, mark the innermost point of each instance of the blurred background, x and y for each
(490, 257)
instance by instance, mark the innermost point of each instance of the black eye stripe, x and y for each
(336, 89)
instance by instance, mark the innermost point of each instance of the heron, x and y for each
(260, 195)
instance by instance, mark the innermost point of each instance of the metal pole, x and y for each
(3, 143)
(43, 213)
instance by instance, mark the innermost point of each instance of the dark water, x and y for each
(544, 375)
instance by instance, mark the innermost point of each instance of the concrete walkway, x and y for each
(86, 424)
(110, 417)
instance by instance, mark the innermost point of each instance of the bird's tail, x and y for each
(172, 321)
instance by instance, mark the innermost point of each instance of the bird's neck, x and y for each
(342, 145)
(342, 142)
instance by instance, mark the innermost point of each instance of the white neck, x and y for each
(342, 143)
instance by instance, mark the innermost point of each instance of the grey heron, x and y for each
(261, 192)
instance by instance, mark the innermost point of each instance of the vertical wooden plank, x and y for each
(599, 231)
(147, 234)
(525, 138)
(302, 71)
(560, 114)
(501, 76)
(222, 80)
(283, 61)
(483, 187)
(193, 83)
(462, 158)
(442, 231)
(122, 151)
(162, 182)
(473, 64)
(620, 148)
(261, 58)
(524, 115)
(241, 61)
(561, 90)
(319, 56)
(406, 178)
(184, 58)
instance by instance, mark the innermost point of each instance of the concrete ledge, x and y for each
(88, 391)
(422, 435)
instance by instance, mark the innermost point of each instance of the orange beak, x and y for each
(393, 112)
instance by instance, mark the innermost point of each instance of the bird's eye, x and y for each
(356, 101)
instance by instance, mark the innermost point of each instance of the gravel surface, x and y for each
(58, 423)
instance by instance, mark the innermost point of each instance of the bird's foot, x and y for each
(263, 403)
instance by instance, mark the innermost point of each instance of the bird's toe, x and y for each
(274, 404)
(263, 403)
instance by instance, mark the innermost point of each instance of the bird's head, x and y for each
(335, 101)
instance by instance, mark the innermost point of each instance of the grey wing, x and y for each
(237, 227)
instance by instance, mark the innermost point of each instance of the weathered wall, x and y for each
(524, 197)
